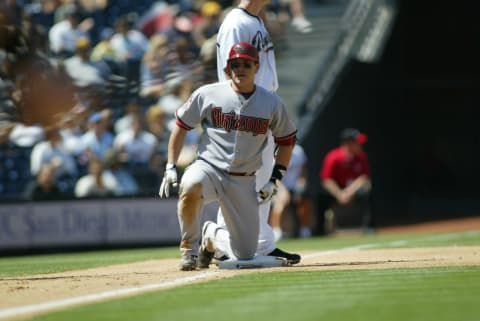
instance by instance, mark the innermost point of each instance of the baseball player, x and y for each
(235, 116)
(243, 24)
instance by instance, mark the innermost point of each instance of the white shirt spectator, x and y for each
(46, 152)
(86, 186)
(139, 148)
(125, 184)
(83, 73)
(130, 46)
(63, 36)
(98, 145)
(26, 136)
(72, 140)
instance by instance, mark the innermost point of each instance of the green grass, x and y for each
(37, 264)
(423, 294)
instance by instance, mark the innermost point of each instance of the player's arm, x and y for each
(282, 159)
(284, 153)
(175, 144)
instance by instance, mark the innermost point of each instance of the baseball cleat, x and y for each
(216, 260)
(188, 263)
(204, 255)
(292, 258)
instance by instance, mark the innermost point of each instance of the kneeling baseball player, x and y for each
(235, 116)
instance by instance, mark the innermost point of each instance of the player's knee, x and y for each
(190, 192)
(189, 201)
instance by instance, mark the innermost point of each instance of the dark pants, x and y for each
(361, 202)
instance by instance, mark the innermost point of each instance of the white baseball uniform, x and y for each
(235, 131)
(241, 26)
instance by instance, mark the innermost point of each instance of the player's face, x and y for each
(242, 72)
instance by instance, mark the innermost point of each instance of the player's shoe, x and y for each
(188, 262)
(292, 258)
(204, 255)
(216, 260)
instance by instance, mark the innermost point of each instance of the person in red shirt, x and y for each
(345, 177)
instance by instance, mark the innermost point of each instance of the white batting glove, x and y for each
(267, 192)
(169, 179)
(270, 189)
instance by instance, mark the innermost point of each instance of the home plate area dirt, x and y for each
(21, 291)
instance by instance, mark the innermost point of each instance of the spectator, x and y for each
(130, 45)
(97, 140)
(187, 61)
(103, 49)
(63, 35)
(137, 147)
(97, 183)
(345, 178)
(157, 125)
(211, 18)
(26, 135)
(44, 187)
(154, 66)
(137, 144)
(292, 191)
(125, 121)
(85, 73)
(70, 124)
(52, 151)
(176, 90)
(125, 183)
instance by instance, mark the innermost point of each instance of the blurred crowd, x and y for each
(89, 88)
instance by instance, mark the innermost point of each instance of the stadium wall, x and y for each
(95, 223)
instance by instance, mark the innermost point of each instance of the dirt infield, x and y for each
(21, 291)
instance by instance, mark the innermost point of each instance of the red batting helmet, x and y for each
(243, 50)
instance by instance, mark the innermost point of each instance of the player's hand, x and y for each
(169, 179)
(267, 192)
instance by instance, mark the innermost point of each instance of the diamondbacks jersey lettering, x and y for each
(232, 121)
(239, 25)
(237, 128)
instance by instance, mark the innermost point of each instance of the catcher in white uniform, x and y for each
(236, 117)
(243, 24)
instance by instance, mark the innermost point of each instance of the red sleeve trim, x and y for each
(286, 140)
(181, 124)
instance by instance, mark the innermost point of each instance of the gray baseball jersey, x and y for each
(234, 129)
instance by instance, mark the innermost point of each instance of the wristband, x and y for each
(278, 172)
(170, 166)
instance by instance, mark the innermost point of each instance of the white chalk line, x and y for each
(51, 305)
(41, 307)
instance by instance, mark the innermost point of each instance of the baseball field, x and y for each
(422, 272)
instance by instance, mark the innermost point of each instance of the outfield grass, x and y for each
(437, 294)
(423, 294)
(49, 263)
